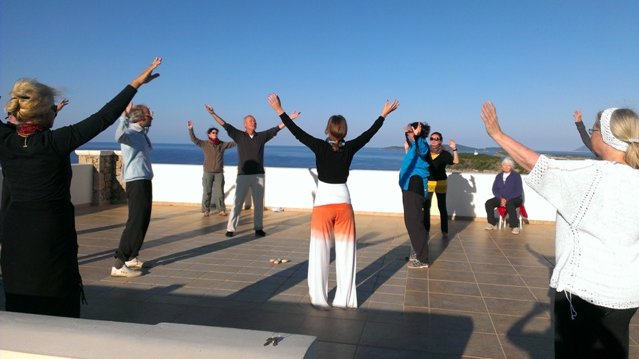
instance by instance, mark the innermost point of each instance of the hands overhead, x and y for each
(489, 116)
(577, 115)
(60, 105)
(189, 125)
(275, 103)
(389, 107)
(147, 75)
(209, 109)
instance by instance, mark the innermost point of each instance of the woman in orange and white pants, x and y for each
(333, 215)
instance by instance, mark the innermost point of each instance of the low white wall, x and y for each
(81, 184)
(371, 191)
(40, 336)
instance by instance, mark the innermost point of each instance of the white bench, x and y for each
(38, 336)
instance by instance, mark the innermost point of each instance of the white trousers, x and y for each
(328, 221)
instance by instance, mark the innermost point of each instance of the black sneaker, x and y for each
(229, 234)
(416, 264)
(260, 233)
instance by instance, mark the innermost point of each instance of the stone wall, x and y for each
(107, 165)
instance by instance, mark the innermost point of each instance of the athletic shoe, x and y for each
(260, 233)
(416, 264)
(515, 230)
(229, 234)
(490, 227)
(125, 272)
(134, 263)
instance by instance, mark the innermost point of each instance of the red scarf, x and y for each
(28, 129)
(215, 141)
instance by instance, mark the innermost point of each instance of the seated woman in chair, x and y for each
(508, 192)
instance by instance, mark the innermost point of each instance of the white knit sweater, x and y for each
(597, 230)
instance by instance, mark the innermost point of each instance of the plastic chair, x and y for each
(521, 215)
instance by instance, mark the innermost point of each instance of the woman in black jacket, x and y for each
(39, 243)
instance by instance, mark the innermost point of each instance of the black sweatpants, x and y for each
(414, 202)
(595, 332)
(140, 200)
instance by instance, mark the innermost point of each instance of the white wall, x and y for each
(294, 188)
(371, 191)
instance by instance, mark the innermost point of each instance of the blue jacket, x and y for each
(136, 151)
(509, 190)
(414, 164)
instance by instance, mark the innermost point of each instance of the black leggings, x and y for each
(595, 332)
(443, 212)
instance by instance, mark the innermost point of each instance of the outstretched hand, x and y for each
(60, 105)
(147, 75)
(295, 115)
(189, 124)
(389, 107)
(275, 103)
(577, 115)
(209, 109)
(489, 116)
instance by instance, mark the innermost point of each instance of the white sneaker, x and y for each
(489, 227)
(134, 263)
(515, 230)
(125, 272)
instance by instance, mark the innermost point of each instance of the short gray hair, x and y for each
(508, 160)
(138, 113)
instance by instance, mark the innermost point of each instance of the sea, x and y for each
(368, 158)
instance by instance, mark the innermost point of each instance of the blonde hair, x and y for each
(138, 113)
(624, 124)
(31, 102)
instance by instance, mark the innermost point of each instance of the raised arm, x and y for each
(363, 139)
(520, 153)
(217, 118)
(194, 138)
(453, 147)
(147, 75)
(581, 128)
(60, 105)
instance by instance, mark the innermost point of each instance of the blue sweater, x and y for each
(136, 151)
(414, 164)
(512, 188)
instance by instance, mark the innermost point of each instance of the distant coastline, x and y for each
(368, 158)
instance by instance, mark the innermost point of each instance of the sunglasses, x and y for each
(591, 130)
(435, 139)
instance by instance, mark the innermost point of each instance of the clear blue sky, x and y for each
(537, 60)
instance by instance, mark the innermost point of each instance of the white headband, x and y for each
(606, 133)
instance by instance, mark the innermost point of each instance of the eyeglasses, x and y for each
(591, 130)
(435, 139)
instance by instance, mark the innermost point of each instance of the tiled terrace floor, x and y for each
(485, 295)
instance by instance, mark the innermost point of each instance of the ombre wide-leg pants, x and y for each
(327, 222)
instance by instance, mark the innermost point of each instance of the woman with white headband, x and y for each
(596, 274)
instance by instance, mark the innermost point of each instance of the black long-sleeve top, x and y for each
(250, 150)
(438, 165)
(37, 168)
(332, 166)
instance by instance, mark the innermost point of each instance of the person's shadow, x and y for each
(460, 195)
